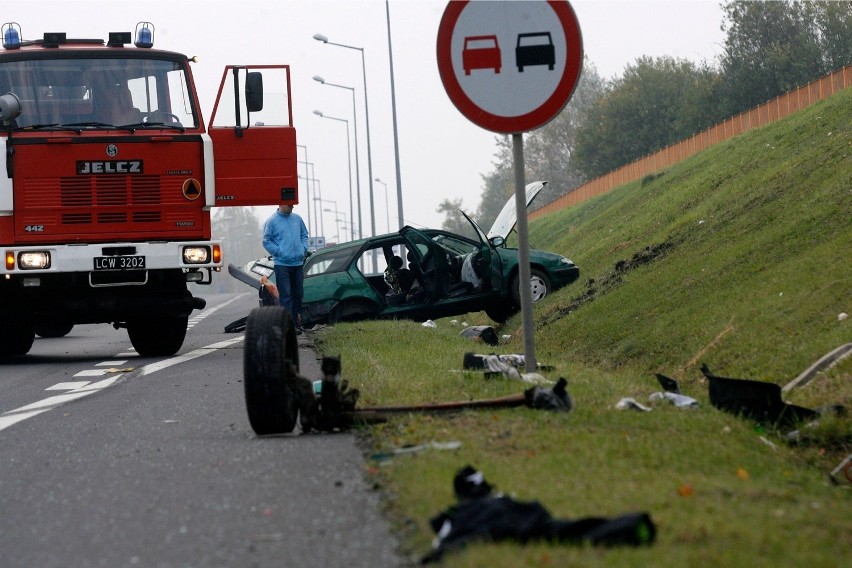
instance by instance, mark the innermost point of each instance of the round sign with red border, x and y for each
(509, 67)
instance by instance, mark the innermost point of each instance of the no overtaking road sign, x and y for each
(509, 67)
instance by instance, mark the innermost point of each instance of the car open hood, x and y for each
(508, 216)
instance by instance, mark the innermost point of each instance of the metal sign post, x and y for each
(511, 67)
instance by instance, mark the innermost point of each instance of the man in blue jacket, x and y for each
(285, 238)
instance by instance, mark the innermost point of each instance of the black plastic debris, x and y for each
(484, 332)
(669, 384)
(760, 401)
(556, 398)
(481, 516)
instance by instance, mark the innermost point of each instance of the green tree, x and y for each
(549, 150)
(773, 47)
(498, 185)
(656, 102)
(455, 221)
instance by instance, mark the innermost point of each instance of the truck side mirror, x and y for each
(254, 91)
(10, 107)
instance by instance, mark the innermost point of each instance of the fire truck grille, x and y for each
(110, 199)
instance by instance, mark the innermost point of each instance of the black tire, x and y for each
(48, 330)
(499, 313)
(271, 357)
(157, 337)
(15, 340)
(352, 310)
(539, 282)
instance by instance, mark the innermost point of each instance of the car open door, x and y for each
(494, 275)
(431, 259)
(254, 141)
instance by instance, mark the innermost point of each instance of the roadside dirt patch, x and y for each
(612, 279)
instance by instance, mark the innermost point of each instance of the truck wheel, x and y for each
(270, 362)
(15, 340)
(53, 329)
(157, 336)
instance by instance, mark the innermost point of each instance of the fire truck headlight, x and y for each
(34, 260)
(196, 255)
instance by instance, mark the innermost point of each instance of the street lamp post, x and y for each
(395, 135)
(322, 81)
(387, 210)
(348, 159)
(307, 188)
(322, 38)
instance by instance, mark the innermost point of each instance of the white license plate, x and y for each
(119, 263)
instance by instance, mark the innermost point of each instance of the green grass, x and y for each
(753, 270)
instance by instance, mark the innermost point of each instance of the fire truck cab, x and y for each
(108, 175)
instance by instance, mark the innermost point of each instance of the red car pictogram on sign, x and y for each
(481, 52)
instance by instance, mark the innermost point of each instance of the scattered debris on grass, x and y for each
(481, 515)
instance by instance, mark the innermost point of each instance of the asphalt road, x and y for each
(111, 459)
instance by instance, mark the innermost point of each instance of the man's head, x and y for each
(285, 209)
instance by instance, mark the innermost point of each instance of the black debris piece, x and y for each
(556, 398)
(481, 516)
(669, 384)
(484, 332)
(760, 401)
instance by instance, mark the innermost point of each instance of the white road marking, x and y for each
(80, 389)
(91, 373)
(111, 363)
(67, 386)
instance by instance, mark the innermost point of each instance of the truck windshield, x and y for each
(99, 93)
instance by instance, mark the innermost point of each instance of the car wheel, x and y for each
(539, 287)
(499, 313)
(351, 310)
(270, 362)
(53, 329)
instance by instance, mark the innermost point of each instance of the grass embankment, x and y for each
(738, 258)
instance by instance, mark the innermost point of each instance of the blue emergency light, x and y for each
(144, 35)
(11, 35)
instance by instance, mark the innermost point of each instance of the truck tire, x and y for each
(157, 337)
(53, 329)
(270, 362)
(15, 340)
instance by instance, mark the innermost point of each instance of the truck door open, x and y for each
(254, 141)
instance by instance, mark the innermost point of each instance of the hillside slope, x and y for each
(738, 257)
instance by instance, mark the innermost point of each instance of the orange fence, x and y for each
(759, 116)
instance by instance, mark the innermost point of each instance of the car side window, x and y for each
(328, 262)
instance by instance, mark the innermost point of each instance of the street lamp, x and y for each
(395, 135)
(321, 200)
(322, 81)
(307, 188)
(337, 215)
(387, 211)
(322, 38)
(348, 158)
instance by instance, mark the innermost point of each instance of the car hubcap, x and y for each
(537, 288)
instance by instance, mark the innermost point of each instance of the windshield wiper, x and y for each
(52, 126)
(157, 124)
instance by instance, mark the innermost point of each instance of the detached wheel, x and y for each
(270, 363)
(157, 337)
(539, 287)
(48, 330)
(15, 340)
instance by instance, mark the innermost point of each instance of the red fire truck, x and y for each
(108, 176)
